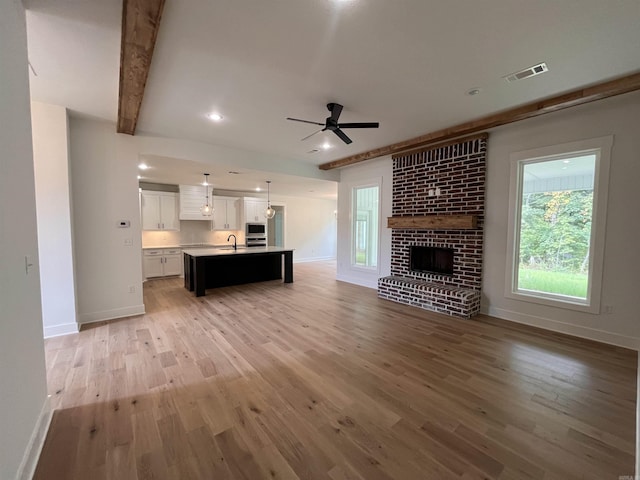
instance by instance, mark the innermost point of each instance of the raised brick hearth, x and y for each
(458, 172)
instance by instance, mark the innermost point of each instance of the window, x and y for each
(557, 217)
(365, 221)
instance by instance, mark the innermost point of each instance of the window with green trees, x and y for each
(557, 224)
(365, 215)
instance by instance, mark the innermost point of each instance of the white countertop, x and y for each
(214, 252)
(186, 245)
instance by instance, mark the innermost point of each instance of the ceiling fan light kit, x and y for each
(331, 123)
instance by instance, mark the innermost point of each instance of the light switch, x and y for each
(28, 264)
(128, 242)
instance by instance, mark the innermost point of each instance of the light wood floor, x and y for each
(322, 380)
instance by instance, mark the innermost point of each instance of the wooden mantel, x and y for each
(434, 222)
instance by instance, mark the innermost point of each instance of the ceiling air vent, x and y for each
(528, 72)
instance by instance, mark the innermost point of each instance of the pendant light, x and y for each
(206, 209)
(269, 212)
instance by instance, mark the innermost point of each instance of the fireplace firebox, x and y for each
(435, 260)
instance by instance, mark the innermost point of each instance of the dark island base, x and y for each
(201, 273)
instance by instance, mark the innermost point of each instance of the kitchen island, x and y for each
(219, 267)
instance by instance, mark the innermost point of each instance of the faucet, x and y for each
(235, 240)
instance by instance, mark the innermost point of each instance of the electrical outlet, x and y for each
(128, 242)
(607, 309)
(132, 289)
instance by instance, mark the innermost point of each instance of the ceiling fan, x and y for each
(331, 123)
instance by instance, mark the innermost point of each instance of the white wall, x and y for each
(53, 204)
(310, 227)
(619, 116)
(376, 169)
(105, 191)
(23, 393)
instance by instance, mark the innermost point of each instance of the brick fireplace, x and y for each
(438, 201)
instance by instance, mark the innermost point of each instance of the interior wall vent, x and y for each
(527, 72)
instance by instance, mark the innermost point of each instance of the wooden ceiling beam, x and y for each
(140, 24)
(607, 89)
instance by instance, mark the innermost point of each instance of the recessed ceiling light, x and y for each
(143, 166)
(473, 91)
(216, 117)
(139, 177)
(566, 161)
(326, 145)
(257, 189)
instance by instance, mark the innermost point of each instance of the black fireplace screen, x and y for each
(431, 260)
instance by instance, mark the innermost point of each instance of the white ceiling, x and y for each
(186, 172)
(405, 63)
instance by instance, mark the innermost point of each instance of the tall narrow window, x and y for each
(365, 216)
(558, 225)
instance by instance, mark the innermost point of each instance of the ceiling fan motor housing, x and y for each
(331, 123)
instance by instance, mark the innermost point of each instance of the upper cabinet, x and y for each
(226, 214)
(159, 210)
(254, 209)
(192, 198)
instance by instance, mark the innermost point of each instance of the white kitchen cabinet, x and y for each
(159, 210)
(254, 209)
(152, 263)
(192, 197)
(172, 262)
(162, 262)
(226, 213)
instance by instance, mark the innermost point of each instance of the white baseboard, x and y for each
(576, 330)
(36, 442)
(638, 421)
(312, 259)
(58, 330)
(358, 281)
(111, 314)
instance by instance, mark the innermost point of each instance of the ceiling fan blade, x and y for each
(335, 109)
(309, 136)
(342, 136)
(305, 121)
(359, 125)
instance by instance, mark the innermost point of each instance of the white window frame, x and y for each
(376, 182)
(602, 148)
